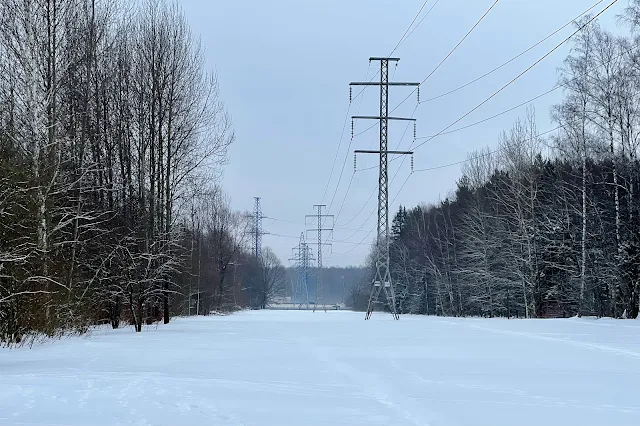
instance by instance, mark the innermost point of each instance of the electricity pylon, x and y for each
(382, 279)
(256, 230)
(302, 257)
(320, 217)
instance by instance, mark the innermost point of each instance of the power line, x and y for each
(515, 57)
(284, 220)
(529, 68)
(335, 158)
(460, 42)
(520, 105)
(450, 53)
(283, 236)
(301, 223)
(404, 36)
(423, 18)
(344, 163)
(365, 130)
(365, 204)
(553, 89)
(344, 126)
(359, 244)
(373, 229)
(365, 221)
(297, 238)
(364, 88)
(344, 199)
(486, 154)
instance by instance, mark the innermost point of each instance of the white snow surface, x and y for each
(304, 368)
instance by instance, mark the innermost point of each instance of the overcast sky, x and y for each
(285, 65)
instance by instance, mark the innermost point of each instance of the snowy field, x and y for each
(304, 368)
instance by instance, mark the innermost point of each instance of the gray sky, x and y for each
(284, 67)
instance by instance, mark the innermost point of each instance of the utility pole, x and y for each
(302, 257)
(319, 216)
(382, 279)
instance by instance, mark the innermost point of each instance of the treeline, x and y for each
(540, 227)
(337, 284)
(218, 273)
(112, 134)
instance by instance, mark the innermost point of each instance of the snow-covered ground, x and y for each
(304, 368)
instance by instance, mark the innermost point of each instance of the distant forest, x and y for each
(337, 284)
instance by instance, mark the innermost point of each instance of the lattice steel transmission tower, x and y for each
(256, 230)
(303, 258)
(382, 279)
(320, 229)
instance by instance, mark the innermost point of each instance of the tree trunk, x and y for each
(614, 285)
(583, 242)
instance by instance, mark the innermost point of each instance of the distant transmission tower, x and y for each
(302, 257)
(256, 229)
(382, 279)
(320, 217)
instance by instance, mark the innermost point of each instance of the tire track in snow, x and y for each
(370, 384)
(544, 401)
(191, 401)
(182, 399)
(587, 345)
